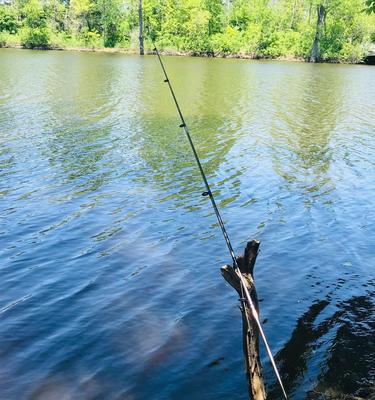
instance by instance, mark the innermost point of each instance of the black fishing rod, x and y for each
(208, 193)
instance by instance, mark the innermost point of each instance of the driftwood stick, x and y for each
(250, 330)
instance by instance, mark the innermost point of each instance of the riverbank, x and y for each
(172, 52)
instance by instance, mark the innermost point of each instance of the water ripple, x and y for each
(110, 255)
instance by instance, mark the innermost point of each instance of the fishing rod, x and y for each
(209, 193)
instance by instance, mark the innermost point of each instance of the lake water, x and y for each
(110, 284)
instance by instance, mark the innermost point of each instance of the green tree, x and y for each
(8, 20)
(109, 16)
(216, 15)
(35, 30)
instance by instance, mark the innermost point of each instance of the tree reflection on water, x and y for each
(347, 340)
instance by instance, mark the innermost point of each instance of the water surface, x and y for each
(109, 273)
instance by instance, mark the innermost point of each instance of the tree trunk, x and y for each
(140, 15)
(315, 48)
(250, 328)
(292, 22)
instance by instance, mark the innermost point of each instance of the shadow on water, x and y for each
(344, 341)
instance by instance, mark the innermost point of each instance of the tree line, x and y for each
(327, 30)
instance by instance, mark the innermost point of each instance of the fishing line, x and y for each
(208, 193)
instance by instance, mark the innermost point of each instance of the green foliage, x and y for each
(3, 41)
(9, 39)
(352, 52)
(8, 20)
(215, 14)
(197, 32)
(35, 33)
(230, 41)
(107, 12)
(252, 39)
(91, 38)
(240, 15)
(33, 14)
(347, 32)
(35, 37)
(56, 13)
(285, 43)
(370, 6)
(253, 28)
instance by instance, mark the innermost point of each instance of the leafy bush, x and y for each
(8, 20)
(35, 32)
(252, 39)
(33, 14)
(111, 36)
(230, 41)
(370, 6)
(91, 38)
(35, 38)
(352, 52)
(197, 28)
(124, 33)
(285, 43)
(9, 39)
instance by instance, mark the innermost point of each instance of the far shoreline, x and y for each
(177, 53)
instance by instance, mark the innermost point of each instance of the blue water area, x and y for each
(110, 284)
